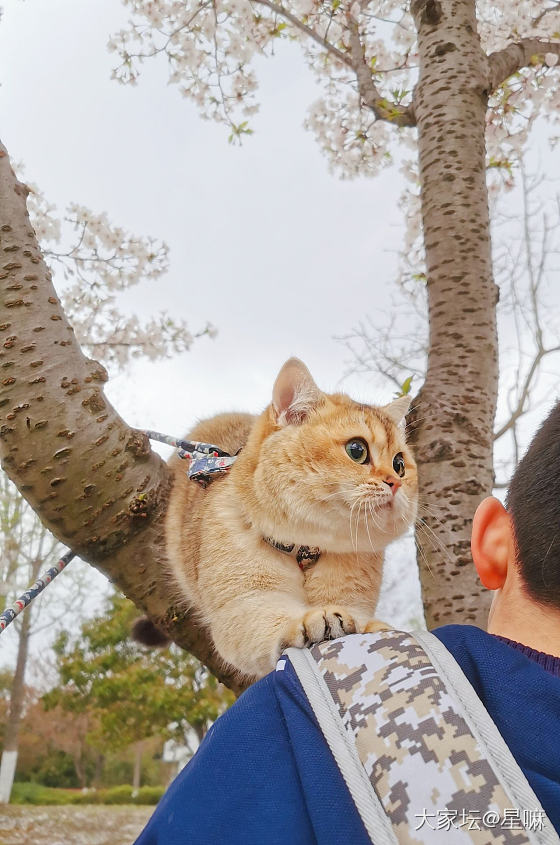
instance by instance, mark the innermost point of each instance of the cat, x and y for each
(287, 548)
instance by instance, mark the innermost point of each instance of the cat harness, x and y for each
(206, 461)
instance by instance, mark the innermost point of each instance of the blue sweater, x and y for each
(264, 775)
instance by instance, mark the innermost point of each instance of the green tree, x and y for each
(131, 693)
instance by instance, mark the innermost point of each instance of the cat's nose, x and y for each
(393, 482)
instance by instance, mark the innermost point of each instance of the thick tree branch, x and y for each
(504, 63)
(94, 482)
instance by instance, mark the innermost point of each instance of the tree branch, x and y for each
(545, 12)
(94, 481)
(519, 409)
(504, 63)
(370, 95)
(307, 30)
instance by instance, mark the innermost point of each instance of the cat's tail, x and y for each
(144, 631)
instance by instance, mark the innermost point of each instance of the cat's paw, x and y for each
(319, 624)
(375, 625)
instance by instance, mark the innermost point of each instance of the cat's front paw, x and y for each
(319, 624)
(375, 625)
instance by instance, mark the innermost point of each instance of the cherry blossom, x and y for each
(210, 45)
(94, 261)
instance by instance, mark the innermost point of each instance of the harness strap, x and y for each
(433, 760)
(206, 461)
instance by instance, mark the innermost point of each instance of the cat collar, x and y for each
(206, 461)
(306, 556)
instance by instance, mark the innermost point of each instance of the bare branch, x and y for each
(520, 408)
(545, 12)
(504, 63)
(278, 9)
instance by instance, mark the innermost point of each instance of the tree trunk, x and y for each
(456, 407)
(94, 481)
(98, 773)
(79, 761)
(137, 774)
(17, 694)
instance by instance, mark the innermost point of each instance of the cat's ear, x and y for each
(295, 393)
(398, 409)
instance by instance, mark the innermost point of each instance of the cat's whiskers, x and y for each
(423, 556)
(408, 508)
(430, 507)
(340, 493)
(354, 546)
(368, 509)
(427, 531)
(433, 538)
(424, 512)
(374, 516)
(358, 517)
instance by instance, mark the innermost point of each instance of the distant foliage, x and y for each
(35, 793)
(130, 692)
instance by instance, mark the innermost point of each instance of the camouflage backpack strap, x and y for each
(420, 755)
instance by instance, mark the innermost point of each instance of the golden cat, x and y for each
(287, 549)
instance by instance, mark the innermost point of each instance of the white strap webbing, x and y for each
(469, 705)
(343, 749)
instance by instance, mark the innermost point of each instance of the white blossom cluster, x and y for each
(532, 91)
(93, 261)
(210, 44)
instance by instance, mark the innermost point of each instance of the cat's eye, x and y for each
(357, 450)
(398, 464)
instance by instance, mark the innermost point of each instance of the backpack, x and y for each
(421, 757)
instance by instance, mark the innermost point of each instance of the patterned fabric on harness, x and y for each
(415, 745)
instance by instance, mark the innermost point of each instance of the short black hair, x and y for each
(533, 501)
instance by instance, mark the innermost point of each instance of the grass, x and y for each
(35, 793)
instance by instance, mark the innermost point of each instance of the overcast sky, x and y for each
(279, 254)
(265, 243)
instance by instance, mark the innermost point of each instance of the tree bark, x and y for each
(455, 410)
(94, 481)
(98, 773)
(79, 761)
(137, 773)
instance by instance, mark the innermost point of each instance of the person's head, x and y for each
(516, 549)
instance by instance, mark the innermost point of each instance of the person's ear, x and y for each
(492, 543)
